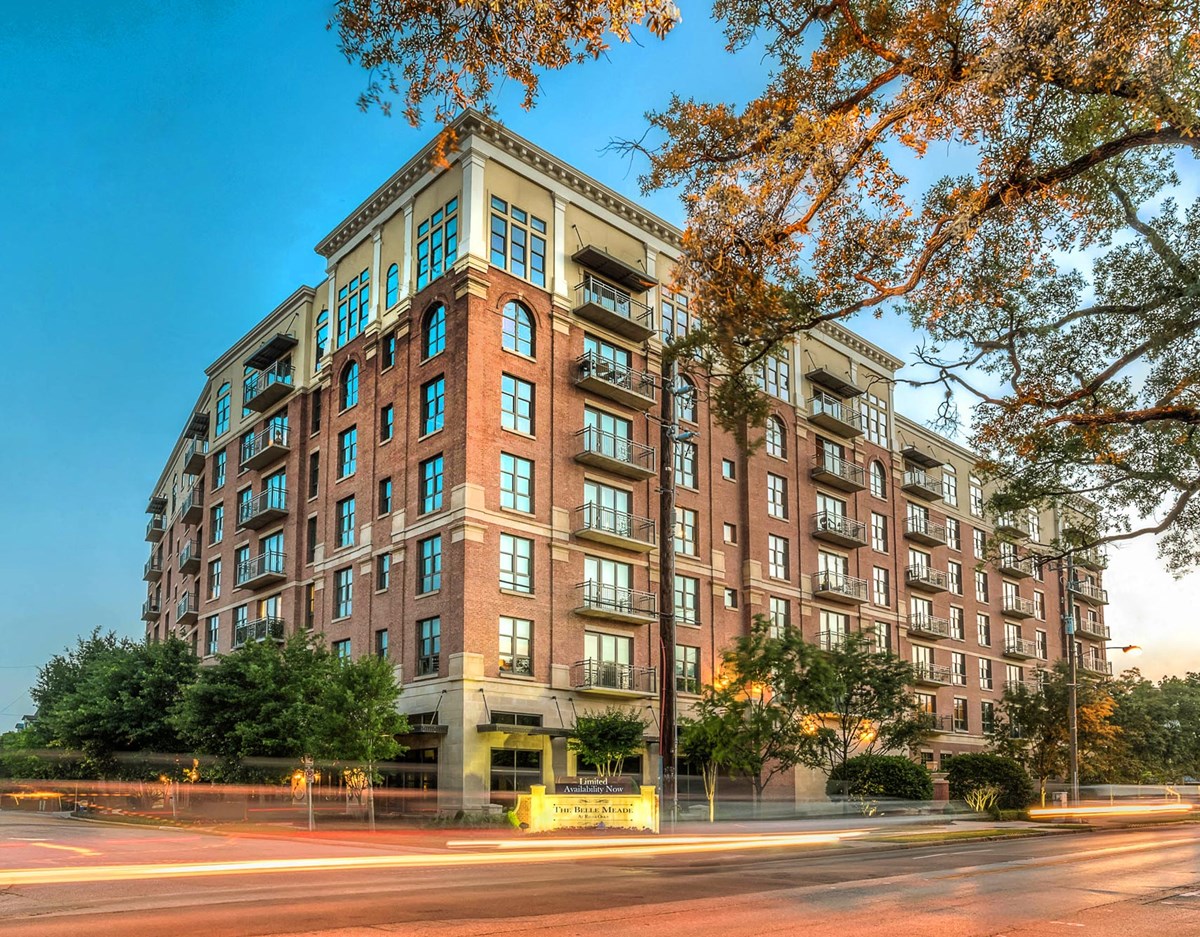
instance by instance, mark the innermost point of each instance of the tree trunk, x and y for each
(371, 797)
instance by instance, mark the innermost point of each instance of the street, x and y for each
(1126, 883)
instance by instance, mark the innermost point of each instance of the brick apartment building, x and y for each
(444, 454)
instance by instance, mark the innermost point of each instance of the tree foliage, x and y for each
(1059, 124)
(606, 738)
(973, 771)
(893, 777)
(1160, 727)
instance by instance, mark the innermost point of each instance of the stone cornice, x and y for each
(856, 342)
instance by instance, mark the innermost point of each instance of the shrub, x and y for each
(967, 773)
(888, 776)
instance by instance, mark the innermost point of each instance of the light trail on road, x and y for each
(1109, 810)
(550, 852)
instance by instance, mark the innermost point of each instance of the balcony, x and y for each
(920, 483)
(194, 456)
(261, 449)
(928, 626)
(186, 609)
(266, 507)
(262, 570)
(1013, 525)
(155, 528)
(923, 530)
(609, 678)
(192, 510)
(152, 571)
(835, 415)
(831, 640)
(932, 674)
(1091, 559)
(1020, 648)
(151, 609)
(189, 557)
(926, 579)
(261, 390)
(836, 472)
(1017, 607)
(1018, 686)
(614, 309)
(838, 587)
(606, 378)
(601, 600)
(260, 629)
(1087, 592)
(613, 453)
(1094, 664)
(614, 528)
(839, 529)
(1018, 567)
(1093, 628)
(939, 725)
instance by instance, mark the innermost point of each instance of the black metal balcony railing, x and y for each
(522, 666)
(1089, 592)
(1095, 664)
(189, 556)
(260, 629)
(613, 308)
(269, 564)
(834, 414)
(265, 445)
(600, 598)
(1019, 566)
(928, 577)
(153, 569)
(594, 370)
(839, 585)
(591, 674)
(270, 500)
(596, 518)
(929, 625)
(194, 455)
(1020, 647)
(921, 528)
(151, 609)
(932, 673)
(937, 723)
(187, 608)
(1017, 605)
(193, 505)
(264, 382)
(1015, 525)
(831, 640)
(845, 529)
(838, 472)
(599, 446)
(155, 528)
(922, 483)
(1093, 628)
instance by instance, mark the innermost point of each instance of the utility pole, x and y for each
(1073, 683)
(666, 591)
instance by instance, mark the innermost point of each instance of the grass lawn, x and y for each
(952, 835)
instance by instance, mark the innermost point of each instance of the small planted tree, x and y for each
(700, 743)
(971, 773)
(606, 738)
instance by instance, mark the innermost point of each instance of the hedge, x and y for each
(887, 776)
(968, 772)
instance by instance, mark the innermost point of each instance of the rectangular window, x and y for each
(983, 627)
(214, 579)
(687, 669)
(343, 592)
(981, 586)
(314, 421)
(958, 668)
(957, 624)
(431, 485)
(516, 483)
(953, 533)
(1043, 645)
(960, 715)
(341, 649)
(676, 321)
(879, 532)
(516, 404)
(381, 643)
(777, 557)
(949, 486)
(516, 646)
(347, 452)
(1039, 605)
(437, 243)
(954, 574)
(976, 497)
(882, 588)
(353, 307)
(433, 406)
(685, 464)
(779, 612)
(776, 495)
(883, 637)
(385, 496)
(211, 635)
(216, 523)
(314, 474)
(687, 597)
(383, 571)
(516, 563)
(387, 423)
(429, 576)
(775, 375)
(731, 598)
(987, 716)
(429, 645)
(729, 532)
(345, 518)
(875, 418)
(311, 538)
(219, 469)
(685, 531)
(518, 242)
(728, 469)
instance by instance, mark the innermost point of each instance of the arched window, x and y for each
(349, 395)
(878, 480)
(322, 336)
(393, 285)
(433, 332)
(776, 438)
(685, 401)
(222, 420)
(518, 329)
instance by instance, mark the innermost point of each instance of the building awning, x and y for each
(275, 348)
(831, 380)
(425, 728)
(156, 505)
(512, 729)
(632, 278)
(197, 427)
(921, 457)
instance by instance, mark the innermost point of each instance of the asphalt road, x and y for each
(1110, 884)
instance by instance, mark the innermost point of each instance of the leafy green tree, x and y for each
(700, 744)
(867, 777)
(969, 772)
(1160, 726)
(361, 721)
(866, 707)
(606, 738)
(260, 707)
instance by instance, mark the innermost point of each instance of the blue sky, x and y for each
(167, 169)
